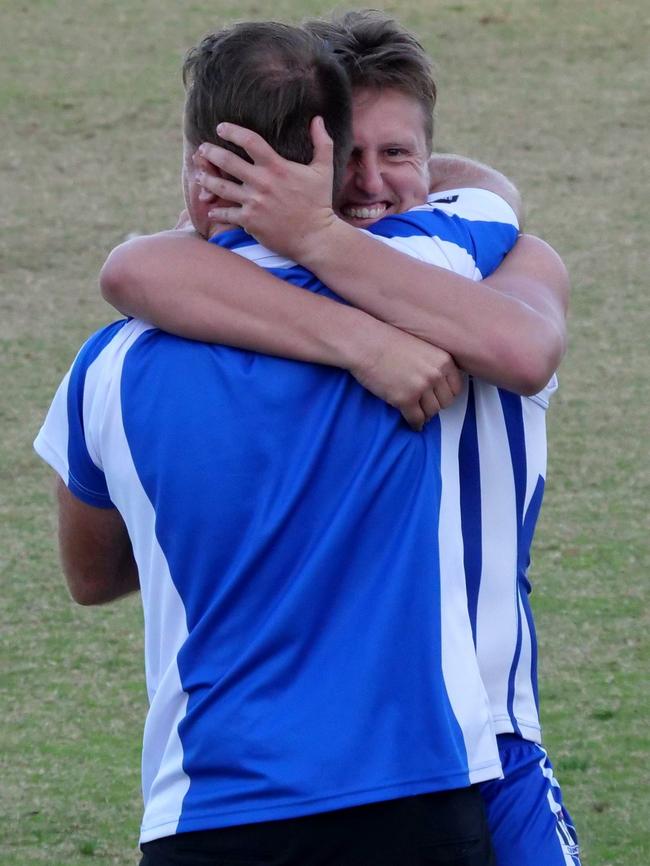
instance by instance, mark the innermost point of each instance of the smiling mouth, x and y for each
(364, 212)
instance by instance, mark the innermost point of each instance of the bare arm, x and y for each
(487, 327)
(509, 329)
(95, 549)
(200, 291)
(187, 286)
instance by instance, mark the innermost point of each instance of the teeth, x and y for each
(365, 213)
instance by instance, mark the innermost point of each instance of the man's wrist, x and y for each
(360, 340)
(323, 245)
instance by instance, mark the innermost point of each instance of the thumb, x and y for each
(323, 144)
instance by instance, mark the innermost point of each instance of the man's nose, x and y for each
(368, 177)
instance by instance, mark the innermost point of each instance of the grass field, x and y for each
(554, 94)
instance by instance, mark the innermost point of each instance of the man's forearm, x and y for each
(202, 292)
(492, 332)
(197, 290)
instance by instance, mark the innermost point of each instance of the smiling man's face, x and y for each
(388, 170)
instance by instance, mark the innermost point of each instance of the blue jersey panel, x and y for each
(486, 242)
(298, 681)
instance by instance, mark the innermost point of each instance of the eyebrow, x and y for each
(407, 144)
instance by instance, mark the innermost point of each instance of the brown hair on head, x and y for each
(378, 53)
(271, 78)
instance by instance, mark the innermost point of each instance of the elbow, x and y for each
(84, 595)
(532, 363)
(115, 277)
(111, 280)
(527, 382)
(91, 585)
(84, 592)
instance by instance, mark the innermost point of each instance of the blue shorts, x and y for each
(527, 819)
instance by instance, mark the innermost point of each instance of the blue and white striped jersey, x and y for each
(307, 646)
(499, 442)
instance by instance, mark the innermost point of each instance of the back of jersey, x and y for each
(282, 519)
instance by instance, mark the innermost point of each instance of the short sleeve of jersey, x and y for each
(63, 440)
(467, 230)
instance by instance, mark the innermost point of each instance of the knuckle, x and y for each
(255, 202)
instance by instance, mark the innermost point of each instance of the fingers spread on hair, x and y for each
(255, 146)
(227, 161)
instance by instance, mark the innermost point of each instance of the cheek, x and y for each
(413, 185)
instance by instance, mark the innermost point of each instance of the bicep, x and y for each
(449, 171)
(535, 274)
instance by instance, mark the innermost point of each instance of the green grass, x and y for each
(554, 94)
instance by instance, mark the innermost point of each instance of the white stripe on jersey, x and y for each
(463, 683)
(165, 626)
(497, 619)
(449, 255)
(264, 257)
(164, 784)
(45, 447)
